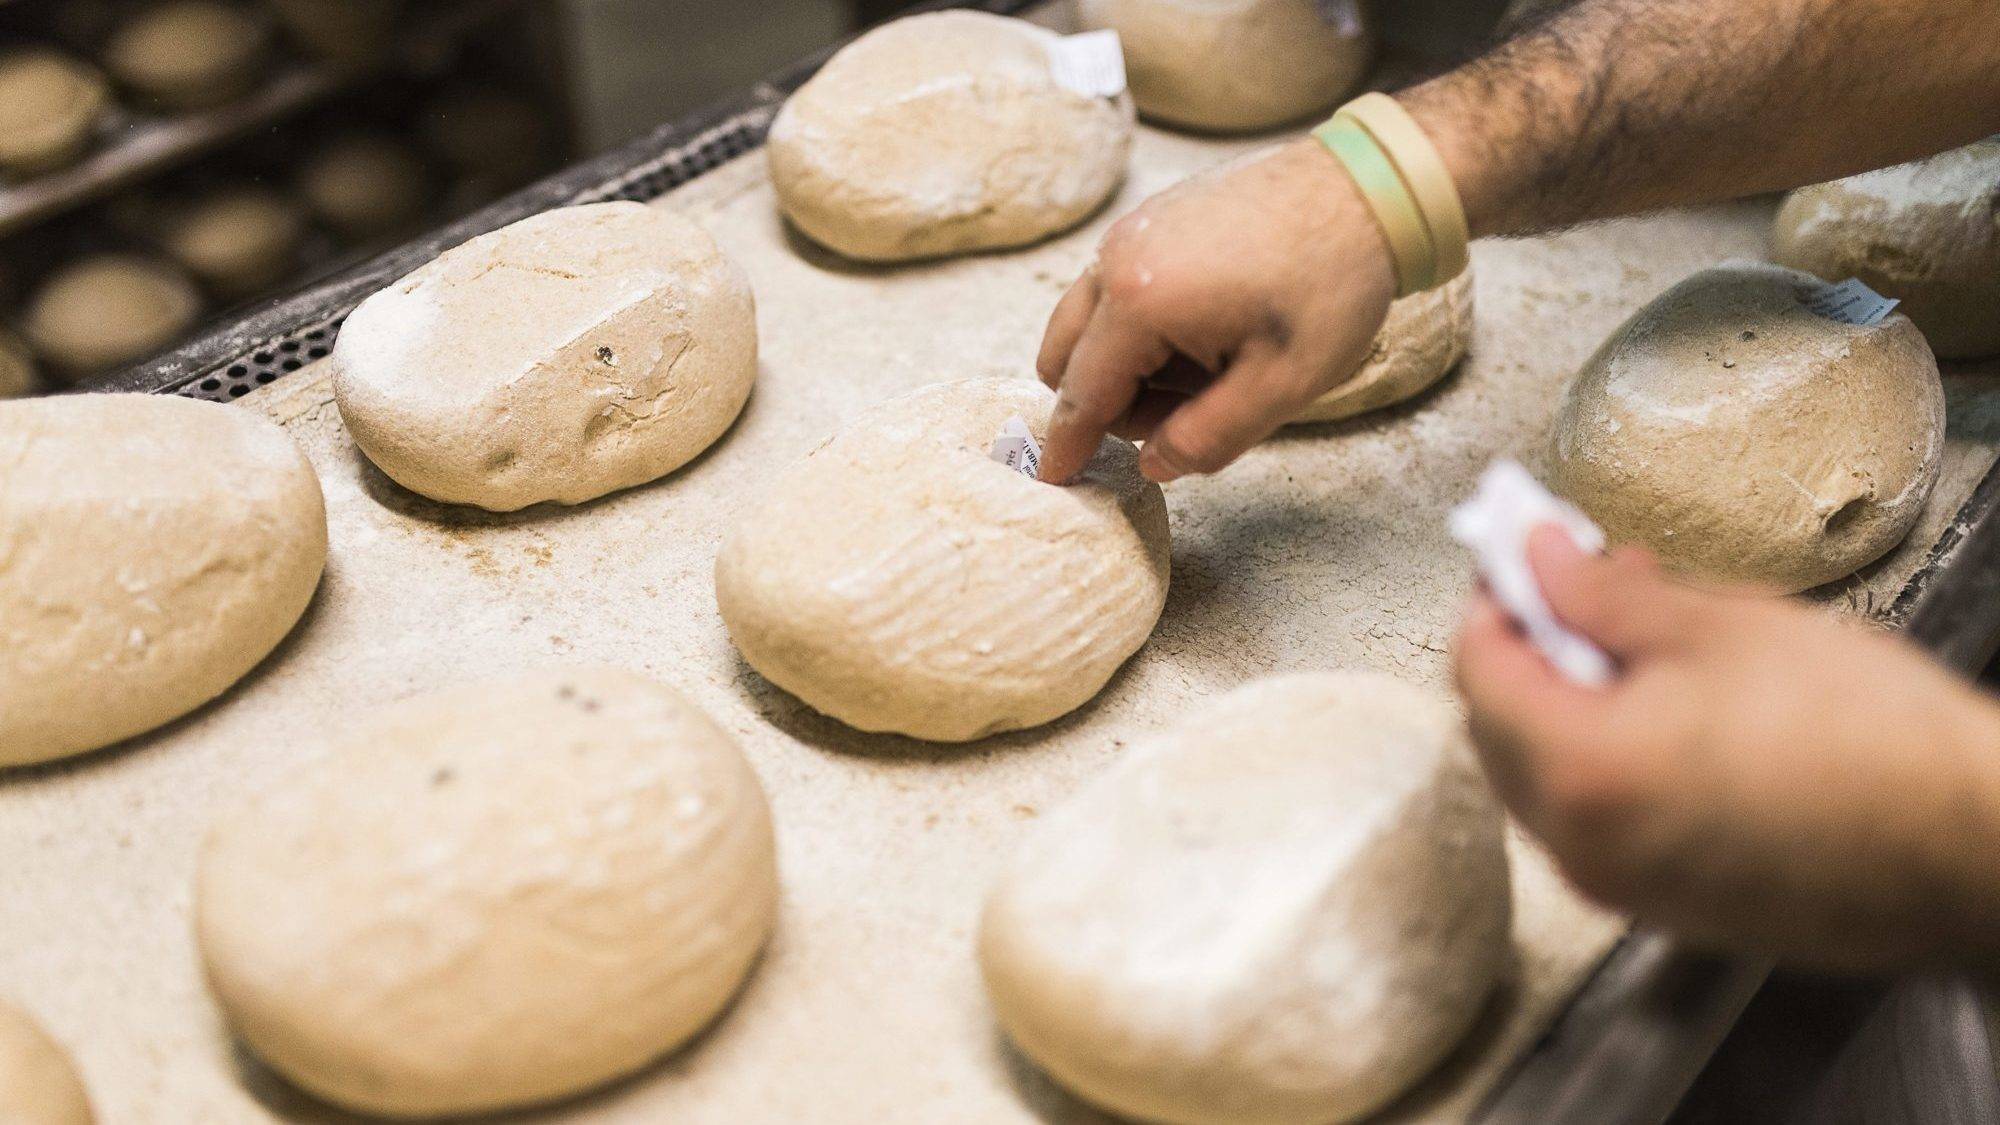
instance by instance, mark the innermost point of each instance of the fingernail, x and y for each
(1154, 466)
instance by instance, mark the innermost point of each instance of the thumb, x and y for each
(1621, 600)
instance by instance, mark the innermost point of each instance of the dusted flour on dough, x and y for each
(572, 354)
(155, 549)
(899, 579)
(493, 897)
(1425, 335)
(1926, 233)
(1283, 911)
(944, 133)
(38, 1086)
(1235, 65)
(1743, 438)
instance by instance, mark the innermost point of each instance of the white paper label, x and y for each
(1017, 449)
(1851, 302)
(1495, 523)
(1343, 16)
(1091, 64)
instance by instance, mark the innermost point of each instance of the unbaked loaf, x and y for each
(493, 897)
(350, 30)
(38, 1086)
(1927, 233)
(18, 377)
(156, 549)
(899, 579)
(1424, 336)
(572, 354)
(944, 133)
(110, 310)
(1237, 65)
(50, 108)
(238, 241)
(190, 54)
(1744, 438)
(365, 186)
(1284, 910)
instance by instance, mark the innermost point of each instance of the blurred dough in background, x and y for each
(109, 310)
(17, 367)
(38, 1086)
(50, 108)
(190, 54)
(339, 29)
(365, 186)
(238, 240)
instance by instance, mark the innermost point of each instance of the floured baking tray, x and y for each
(1326, 547)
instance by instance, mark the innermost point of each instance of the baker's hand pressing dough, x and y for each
(1237, 65)
(944, 133)
(1425, 335)
(50, 107)
(493, 897)
(38, 1086)
(899, 579)
(1927, 233)
(109, 310)
(190, 54)
(1744, 438)
(572, 354)
(156, 549)
(1283, 911)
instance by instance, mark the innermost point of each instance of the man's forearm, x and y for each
(1619, 106)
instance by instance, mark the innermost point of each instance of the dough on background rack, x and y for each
(109, 310)
(941, 134)
(575, 353)
(1745, 438)
(899, 579)
(349, 30)
(1284, 910)
(365, 186)
(494, 897)
(157, 549)
(238, 241)
(1237, 65)
(50, 108)
(190, 54)
(38, 1084)
(1425, 335)
(1927, 233)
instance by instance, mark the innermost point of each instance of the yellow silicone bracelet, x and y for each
(1388, 197)
(1404, 142)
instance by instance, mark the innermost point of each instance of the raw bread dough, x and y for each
(239, 241)
(110, 310)
(156, 549)
(17, 368)
(493, 897)
(50, 107)
(190, 54)
(1927, 233)
(351, 30)
(38, 1086)
(1745, 439)
(1425, 335)
(1235, 65)
(365, 186)
(899, 579)
(574, 353)
(1283, 911)
(944, 133)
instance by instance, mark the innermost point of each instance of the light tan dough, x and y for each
(1745, 439)
(50, 108)
(1425, 335)
(1235, 65)
(493, 897)
(572, 354)
(941, 134)
(18, 377)
(901, 580)
(156, 549)
(365, 187)
(1927, 233)
(190, 54)
(1284, 910)
(349, 30)
(110, 310)
(38, 1086)
(239, 241)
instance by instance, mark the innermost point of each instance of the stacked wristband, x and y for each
(1406, 186)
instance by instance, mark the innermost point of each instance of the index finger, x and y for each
(1112, 357)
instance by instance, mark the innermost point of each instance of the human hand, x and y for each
(1761, 775)
(1249, 291)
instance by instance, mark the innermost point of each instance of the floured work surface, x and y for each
(1325, 548)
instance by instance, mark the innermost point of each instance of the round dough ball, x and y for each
(572, 354)
(1425, 335)
(1745, 439)
(365, 187)
(493, 897)
(1926, 233)
(1235, 65)
(349, 30)
(38, 1086)
(899, 579)
(50, 108)
(157, 549)
(110, 310)
(1283, 911)
(238, 242)
(18, 378)
(940, 134)
(190, 54)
